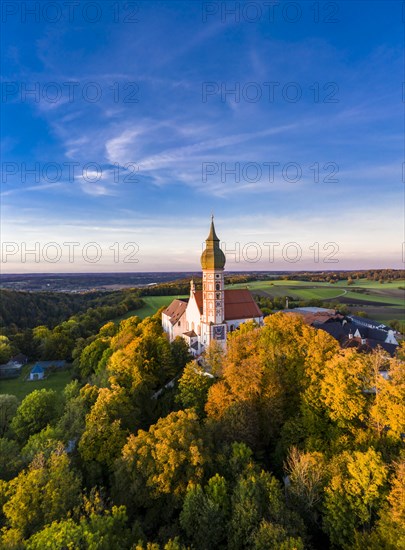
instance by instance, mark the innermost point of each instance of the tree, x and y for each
(342, 388)
(8, 408)
(388, 410)
(10, 460)
(180, 352)
(106, 426)
(44, 492)
(46, 442)
(193, 387)
(205, 513)
(163, 460)
(91, 356)
(307, 477)
(37, 409)
(5, 349)
(213, 357)
(102, 531)
(270, 535)
(257, 497)
(354, 494)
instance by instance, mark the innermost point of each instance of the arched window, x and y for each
(217, 286)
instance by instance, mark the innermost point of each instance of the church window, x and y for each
(217, 286)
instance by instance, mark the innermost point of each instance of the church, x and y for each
(213, 312)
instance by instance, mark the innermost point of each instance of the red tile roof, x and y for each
(176, 310)
(239, 304)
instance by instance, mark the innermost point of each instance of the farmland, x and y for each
(382, 302)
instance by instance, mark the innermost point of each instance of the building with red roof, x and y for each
(209, 314)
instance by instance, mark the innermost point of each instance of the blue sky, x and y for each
(139, 105)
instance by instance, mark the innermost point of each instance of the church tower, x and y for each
(213, 263)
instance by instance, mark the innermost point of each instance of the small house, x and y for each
(37, 373)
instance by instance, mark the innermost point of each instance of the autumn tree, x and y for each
(163, 460)
(343, 389)
(307, 476)
(43, 493)
(106, 426)
(354, 494)
(388, 410)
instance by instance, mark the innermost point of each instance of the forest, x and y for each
(284, 442)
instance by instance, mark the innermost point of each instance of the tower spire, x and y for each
(212, 257)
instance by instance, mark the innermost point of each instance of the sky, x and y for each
(125, 125)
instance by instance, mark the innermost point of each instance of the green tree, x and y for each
(8, 408)
(10, 459)
(37, 409)
(193, 387)
(46, 441)
(5, 349)
(105, 530)
(257, 497)
(180, 352)
(91, 356)
(205, 514)
(270, 535)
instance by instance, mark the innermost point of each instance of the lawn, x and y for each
(20, 387)
(152, 304)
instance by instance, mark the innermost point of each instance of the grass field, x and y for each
(153, 303)
(20, 387)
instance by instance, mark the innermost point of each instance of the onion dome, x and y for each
(212, 257)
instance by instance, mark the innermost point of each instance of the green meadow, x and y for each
(20, 387)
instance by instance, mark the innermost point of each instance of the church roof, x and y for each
(175, 310)
(239, 304)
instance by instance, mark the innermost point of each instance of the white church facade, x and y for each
(209, 314)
